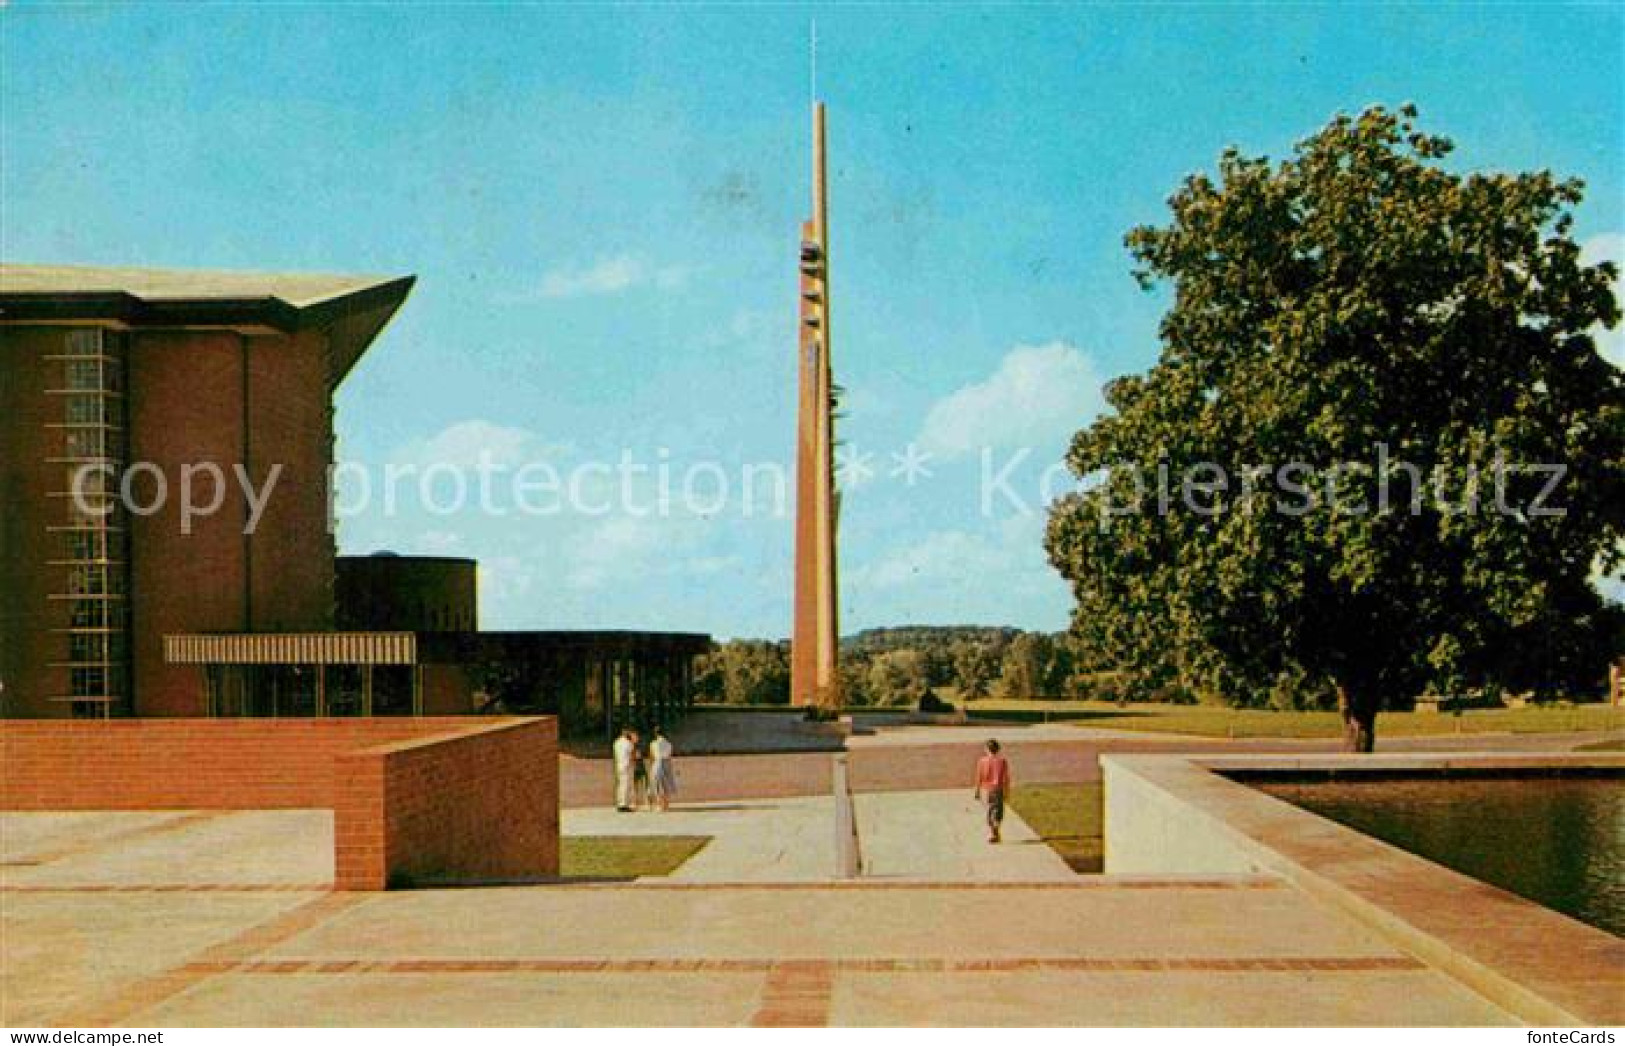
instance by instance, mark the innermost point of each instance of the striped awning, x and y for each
(293, 648)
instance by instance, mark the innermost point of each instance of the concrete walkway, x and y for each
(923, 836)
(752, 840)
(940, 837)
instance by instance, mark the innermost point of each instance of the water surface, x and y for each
(1556, 840)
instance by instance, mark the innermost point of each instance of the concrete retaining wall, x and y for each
(1154, 830)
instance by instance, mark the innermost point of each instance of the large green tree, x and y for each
(898, 677)
(1343, 467)
(746, 672)
(975, 666)
(1034, 665)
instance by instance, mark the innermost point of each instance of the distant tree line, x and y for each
(914, 665)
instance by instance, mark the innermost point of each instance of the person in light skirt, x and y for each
(662, 774)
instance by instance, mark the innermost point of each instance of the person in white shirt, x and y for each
(624, 749)
(662, 775)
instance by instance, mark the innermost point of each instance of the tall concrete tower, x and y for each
(814, 651)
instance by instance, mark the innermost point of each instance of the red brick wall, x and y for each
(480, 805)
(185, 406)
(196, 764)
(230, 399)
(413, 799)
(28, 618)
(290, 419)
(193, 396)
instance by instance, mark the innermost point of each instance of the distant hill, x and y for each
(879, 640)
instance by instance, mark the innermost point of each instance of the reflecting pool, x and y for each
(1556, 840)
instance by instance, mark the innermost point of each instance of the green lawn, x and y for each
(1209, 721)
(626, 856)
(1068, 818)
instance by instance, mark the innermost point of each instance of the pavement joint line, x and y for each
(166, 887)
(1084, 882)
(804, 976)
(113, 839)
(235, 952)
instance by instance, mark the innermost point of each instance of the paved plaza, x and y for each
(201, 918)
(1088, 951)
(899, 757)
(213, 917)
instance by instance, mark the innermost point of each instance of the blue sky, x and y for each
(601, 205)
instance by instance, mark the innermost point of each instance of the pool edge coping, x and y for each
(1575, 976)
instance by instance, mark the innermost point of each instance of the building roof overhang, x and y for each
(407, 648)
(292, 648)
(352, 310)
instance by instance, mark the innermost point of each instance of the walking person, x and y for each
(992, 785)
(623, 748)
(662, 774)
(642, 795)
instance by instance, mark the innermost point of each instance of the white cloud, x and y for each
(612, 275)
(468, 443)
(994, 574)
(505, 580)
(633, 550)
(620, 548)
(1012, 553)
(752, 327)
(1039, 396)
(1608, 246)
(438, 543)
(931, 558)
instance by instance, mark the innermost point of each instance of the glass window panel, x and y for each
(84, 375)
(344, 690)
(392, 690)
(85, 410)
(85, 443)
(84, 342)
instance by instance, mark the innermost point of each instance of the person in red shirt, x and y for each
(992, 785)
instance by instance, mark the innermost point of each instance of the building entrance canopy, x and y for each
(595, 681)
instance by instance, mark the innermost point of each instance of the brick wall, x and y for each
(190, 764)
(480, 805)
(413, 799)
(185, 408)
(29, 619)
(256, 402)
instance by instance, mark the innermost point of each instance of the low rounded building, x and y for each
(386, 592)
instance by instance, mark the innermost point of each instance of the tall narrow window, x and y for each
(91, 536)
